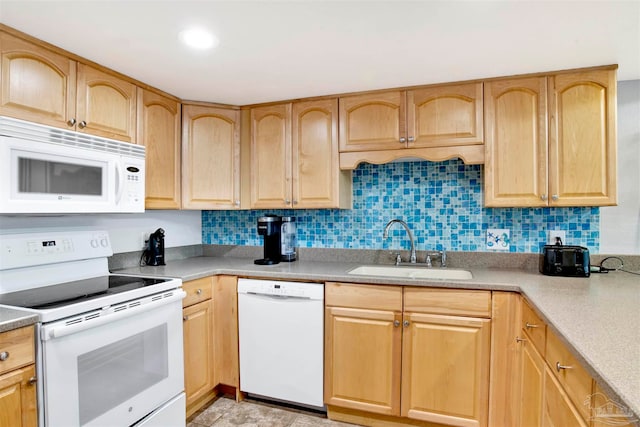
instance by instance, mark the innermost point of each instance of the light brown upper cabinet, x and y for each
(429, 117)
(159, 132)
(210, 157)
(45, 87)
(294, 157)
(434, 123)
(551, 141)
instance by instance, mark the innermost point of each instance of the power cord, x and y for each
(602, 269)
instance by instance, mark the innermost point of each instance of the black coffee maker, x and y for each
(154, 253)
(269, 226)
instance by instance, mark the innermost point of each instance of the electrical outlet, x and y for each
(553, 235)
(143, 239)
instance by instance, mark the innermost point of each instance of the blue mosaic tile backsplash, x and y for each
(441, 202)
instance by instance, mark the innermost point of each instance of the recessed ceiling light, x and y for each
(198, 38)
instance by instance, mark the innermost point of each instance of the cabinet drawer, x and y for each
(197, 291)
(574, 379)
(372, 297)
(16, 347)
(448, 301)
(534, 327)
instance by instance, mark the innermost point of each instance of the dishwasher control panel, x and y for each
(279, 288)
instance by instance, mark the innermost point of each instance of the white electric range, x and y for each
(108, 347)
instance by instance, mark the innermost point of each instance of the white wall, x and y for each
(620, 225)
(125, 230)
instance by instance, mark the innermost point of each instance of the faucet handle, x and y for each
(437, 254)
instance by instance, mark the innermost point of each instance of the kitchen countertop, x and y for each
(14, 319)
(598, 318)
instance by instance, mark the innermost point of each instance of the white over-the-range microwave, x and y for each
(46, 170)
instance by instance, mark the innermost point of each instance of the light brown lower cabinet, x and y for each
(557, 409)
(18, 398)
(197, 331)
(210, 331)
(532, 385)
(410, 365)
(18, 378)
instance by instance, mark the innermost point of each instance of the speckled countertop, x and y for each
(14, 319)
(598, 318)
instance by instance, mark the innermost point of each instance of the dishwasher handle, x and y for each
(280, 297)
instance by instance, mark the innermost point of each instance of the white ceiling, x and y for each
(276, 50)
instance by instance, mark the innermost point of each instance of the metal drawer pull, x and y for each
(530, 325)
(396, 323)
(518, 339)
(199, 291)
(4, 356)
(82, 124)
(559, 367)
(405, 323)
(71, 122)
(33, 380)
(185, 318)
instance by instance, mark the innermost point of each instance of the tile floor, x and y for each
(227, 412)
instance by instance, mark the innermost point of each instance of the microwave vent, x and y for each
(15, 128)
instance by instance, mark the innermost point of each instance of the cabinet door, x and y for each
(557, 410)
(445, 115)
(225, 303)
(516, 142)
(362, 359)
(159, 132)
(37, 84)
(210, 158)
(373, 122)
(271, 157)
(106, 105)
(314, 139)
(197, 330)
(582, 141)
(18, 398)
(445, 369)
(532, 385)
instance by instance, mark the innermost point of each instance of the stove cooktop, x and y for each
(78, 291)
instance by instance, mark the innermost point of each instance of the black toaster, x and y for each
(562, 260)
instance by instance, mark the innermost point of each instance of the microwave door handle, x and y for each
(119, 182)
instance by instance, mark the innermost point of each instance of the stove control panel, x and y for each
(32, 249)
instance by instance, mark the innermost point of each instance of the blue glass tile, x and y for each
(442, 203)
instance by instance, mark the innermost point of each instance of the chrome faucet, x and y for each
(412, 258)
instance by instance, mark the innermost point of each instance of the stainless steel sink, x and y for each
(411, 272)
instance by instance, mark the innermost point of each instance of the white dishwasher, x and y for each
(281, 333)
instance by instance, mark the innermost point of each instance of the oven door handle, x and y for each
(58, 331)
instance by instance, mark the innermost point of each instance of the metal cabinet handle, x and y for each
(530, 325)
(33, 380)
(411, 139)
(405, 323)
(554, 197)
(287, 201)
(4, 356)
(237, 202)
(82, 124)
(199, 291)
(519, 340)
(544, 197)
(560, 367)
(295, 202)
(403, 139)
(185, 318)
(71, 122)
(396, 323)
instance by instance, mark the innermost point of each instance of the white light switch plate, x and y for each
(498, 239)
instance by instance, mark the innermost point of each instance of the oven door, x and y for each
(114, 369)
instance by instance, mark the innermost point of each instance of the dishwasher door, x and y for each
(281, 333)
